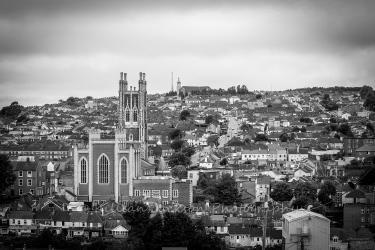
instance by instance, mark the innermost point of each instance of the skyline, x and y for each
(53, 49)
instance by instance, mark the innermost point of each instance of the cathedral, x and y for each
(116, 167)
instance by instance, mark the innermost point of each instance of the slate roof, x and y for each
(239, 229)
(78, 216)
(21, 215)
(357, 193)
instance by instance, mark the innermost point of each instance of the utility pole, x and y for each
(264, 226)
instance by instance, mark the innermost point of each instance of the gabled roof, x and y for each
(94, 217)
(357, 193)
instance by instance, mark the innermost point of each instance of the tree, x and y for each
(305, 189)
(345, 129)
(325, 158)
(284, 137)
(22, 118)
(176, 133)
(178, 229)
(137, 215)
(153, 235)
(282, 192)
(332, 120)
(7, 177)
(184, 115)
(209, 119)
(177, 144)
(11, 111)
(213, 140)
(178, 158)
(328, 189)
(245, 127)
(306, 120)
(188, 151)
(203, 181)
(224, 191)
(365, 90)
(301, 202)
(303, 129)
(258, 96)
(370, 127)
(179, 172)
(224, 162)
(261, 137)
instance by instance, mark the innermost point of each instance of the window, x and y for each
(63, 223)
(14, 221)
(362, 219)
(137, 192)
(135, 115)
(147, 193)
(165, 193)
(83, 172)
(362, 210)
(164, 203)
(29, 174)
(24, 222)
(238, 237)
(29, 182)
(156, 193)
(191, 176)
(32, 191)
(103, 170)
(20, 173)
(124, 174)
(83, 224)
(175, 193)
(368, 210)
(127, 115)
(335, 239)
(19, 222)
(20, 182)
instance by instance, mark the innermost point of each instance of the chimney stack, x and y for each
(144, 76)
(121, 76)
(140, 76)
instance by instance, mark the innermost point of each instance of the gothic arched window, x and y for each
(127, 115)
(83, 171)
(103, 170)
(135, 115)
(124, 171)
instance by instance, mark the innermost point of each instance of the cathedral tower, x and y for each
(132, 110)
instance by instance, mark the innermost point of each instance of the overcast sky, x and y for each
(53, 49)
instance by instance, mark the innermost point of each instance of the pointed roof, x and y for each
(357, 193)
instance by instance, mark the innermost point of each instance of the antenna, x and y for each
(172, 81)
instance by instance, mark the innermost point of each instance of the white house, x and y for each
(307, 228)
(206, 163)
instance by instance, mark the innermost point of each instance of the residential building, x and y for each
(305, 228)
(30, 176)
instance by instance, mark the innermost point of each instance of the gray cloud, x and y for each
(55, 49)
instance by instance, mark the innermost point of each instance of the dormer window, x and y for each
(335, 239)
